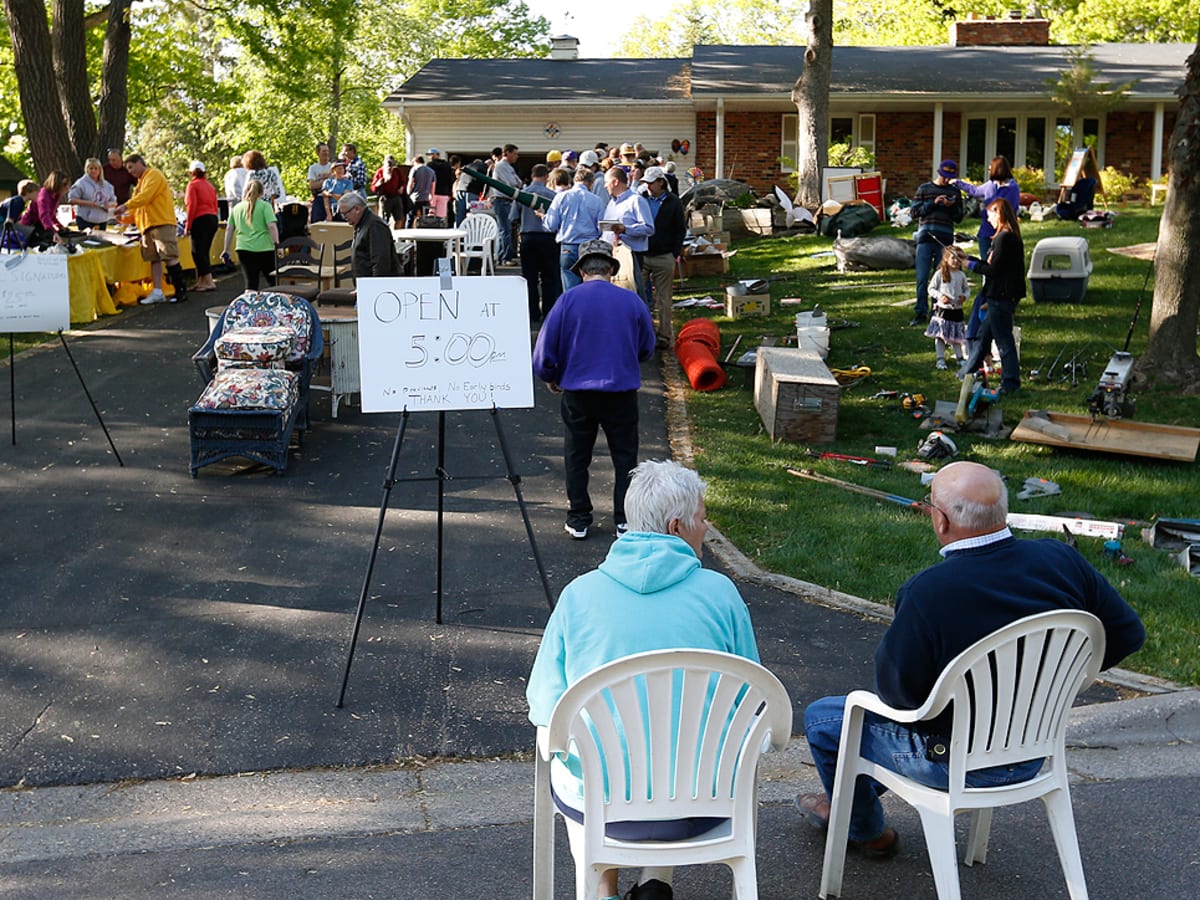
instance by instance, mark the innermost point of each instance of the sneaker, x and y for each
(155, 296)
(577, 532)
(941, 364)
(919, 319)
(623, 528)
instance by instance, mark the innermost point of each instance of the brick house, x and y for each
(986, 92)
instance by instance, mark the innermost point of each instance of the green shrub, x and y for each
(843, 155)
(1117, 184)
(1030, 180)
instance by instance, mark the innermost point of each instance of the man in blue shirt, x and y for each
(633, 222)
(988, 579)
(539, 255)
(574, 216)
(590, 348)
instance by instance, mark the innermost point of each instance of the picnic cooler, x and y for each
(1059, 270)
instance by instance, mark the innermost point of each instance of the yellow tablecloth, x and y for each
(124, 261)
(89, 293)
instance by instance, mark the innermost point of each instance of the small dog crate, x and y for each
(1059, 270)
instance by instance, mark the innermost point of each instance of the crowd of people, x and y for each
(621, 194)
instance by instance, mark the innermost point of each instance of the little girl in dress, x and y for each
(948, 290)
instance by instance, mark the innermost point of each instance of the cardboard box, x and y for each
(796, 396)
(748, 298)
(702, 264)
(738, 306)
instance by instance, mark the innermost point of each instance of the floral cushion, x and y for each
(264, 347)
(251, 389)
(261, 309)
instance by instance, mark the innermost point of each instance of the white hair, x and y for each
(970, 514)
(349, 200)
(659, 491)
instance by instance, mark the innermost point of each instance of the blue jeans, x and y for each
(461, 200)
(998, 326)
(503, 209)
(568, 255)
(892, 745)
(929, 253)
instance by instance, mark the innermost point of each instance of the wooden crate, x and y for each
(795, 396)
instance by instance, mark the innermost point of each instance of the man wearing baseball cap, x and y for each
(938, 206)
(663, 248)
(590, 349)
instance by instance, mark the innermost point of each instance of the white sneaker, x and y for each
(155, 296)
(941, 364)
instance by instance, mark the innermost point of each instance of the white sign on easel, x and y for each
(426, 347)
(34, 293)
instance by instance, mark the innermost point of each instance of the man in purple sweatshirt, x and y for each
(590, 349)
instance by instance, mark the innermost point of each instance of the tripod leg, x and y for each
(83, 385)
(515, 480)
(383, 505)
(441, 506)
(12, 385)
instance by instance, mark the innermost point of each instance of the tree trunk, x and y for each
(811, 96)
(114, 78)
(335, 111)
(69, 43)
(1170, 358)
(49, 141)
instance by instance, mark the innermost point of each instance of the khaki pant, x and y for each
(659, 271)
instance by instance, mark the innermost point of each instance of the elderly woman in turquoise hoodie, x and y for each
(650, 593)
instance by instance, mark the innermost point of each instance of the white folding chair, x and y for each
(480, 243)
(1011, 693)
(664, 735)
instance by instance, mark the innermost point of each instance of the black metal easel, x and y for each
(441, 476)
(12, 374)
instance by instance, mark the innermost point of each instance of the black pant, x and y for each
(204, 229)
(539, 268)
(998, 326)
(257, 263)
(583, 414)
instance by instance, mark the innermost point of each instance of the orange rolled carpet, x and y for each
(696, 348)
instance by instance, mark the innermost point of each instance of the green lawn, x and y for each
(866, 547)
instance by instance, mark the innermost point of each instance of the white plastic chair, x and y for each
(1011, 693)
(667, 734)
(480, 243)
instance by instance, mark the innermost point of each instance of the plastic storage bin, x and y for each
(1059, 270)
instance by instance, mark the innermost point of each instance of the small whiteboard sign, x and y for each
(425, 347)
(34, 293)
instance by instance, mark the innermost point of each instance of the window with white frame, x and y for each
(1040, 142)
(857, 131)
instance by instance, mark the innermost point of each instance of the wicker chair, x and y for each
(256, 367)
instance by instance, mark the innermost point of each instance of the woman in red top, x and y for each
(200, 199)
(41, 216)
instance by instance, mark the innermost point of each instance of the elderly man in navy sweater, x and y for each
(590, 348)
(986, 580)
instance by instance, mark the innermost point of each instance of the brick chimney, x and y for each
(1013, 31)
(563, 46)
